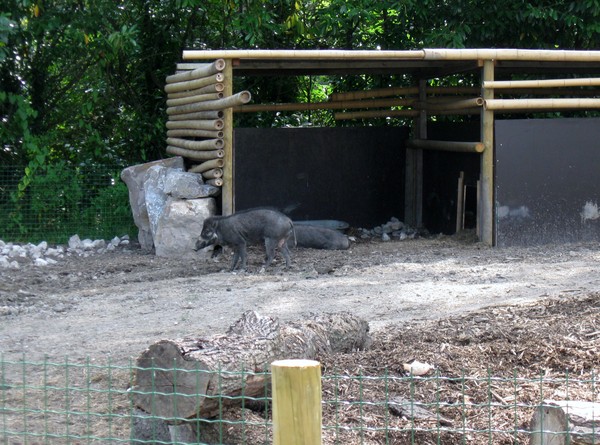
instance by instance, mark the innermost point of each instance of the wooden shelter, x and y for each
(575, 74)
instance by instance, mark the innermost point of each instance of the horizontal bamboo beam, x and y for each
(193, 99)
(194, 154)
(400, 91)
(194, 84)
(194, 133)
(537, 55)
(240, 98)
(469, 147)
(452, 105)
(325, 105)
(349, 115)
(542, 104)
(208, 144)
(197, 124)
(216, 114)
(422, 54)
(544, 83)
(317, 54)
(204, 70)
(208, 165)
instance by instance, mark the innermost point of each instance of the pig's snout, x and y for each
(201, 244)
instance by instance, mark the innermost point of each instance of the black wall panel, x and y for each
(547, 181)
(350, 174)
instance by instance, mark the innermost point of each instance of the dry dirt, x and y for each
(116, 304)
(465, 308)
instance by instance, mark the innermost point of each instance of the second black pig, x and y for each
(317, 237)
(246, 228)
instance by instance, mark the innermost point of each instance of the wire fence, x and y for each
(76, 402)
(58, 200)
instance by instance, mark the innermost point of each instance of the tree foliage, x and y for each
(81, 80)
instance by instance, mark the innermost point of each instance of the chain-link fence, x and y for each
(88, 402)
(57, 200)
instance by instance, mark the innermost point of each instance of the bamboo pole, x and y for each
(228, 189)
(207, 144)
(208, 165)
(297, 412)
(326, 105)
(400, 91)
(427, 144)
(452, 104)
(195, 155)
(188, 132)
(211, 124)
(200, 71)
(485, 204)
(318, 54)
(217, 114)
(543, 104)
(422, 54)
(194, 84)
(228, 101)
(213, 173)
(212, 88)
(348, 115)
(544, 83)
(193, 99)
(217, 182)
(548, 55)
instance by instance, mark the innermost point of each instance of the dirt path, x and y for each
(116, 304)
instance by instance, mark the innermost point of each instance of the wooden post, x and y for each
(413, 192)
(485, 205)
(228, 191)
(297, 410)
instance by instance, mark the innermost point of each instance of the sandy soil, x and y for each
(116, 304)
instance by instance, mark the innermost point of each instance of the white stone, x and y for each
(40, 262)
(51, 261)
(134, 177)
(87, 244)
(115, 241)
(180, 225)
(74, 242)
(99, 244)
(4, 263)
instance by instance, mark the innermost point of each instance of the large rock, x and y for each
(179, 227)
(187, 185)
(134, 177)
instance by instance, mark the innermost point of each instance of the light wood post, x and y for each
(297, 413)
(485, 204)
(227, 192)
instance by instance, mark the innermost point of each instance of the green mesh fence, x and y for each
(80, 402)
(58, 201)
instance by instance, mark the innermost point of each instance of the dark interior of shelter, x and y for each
(546, 176)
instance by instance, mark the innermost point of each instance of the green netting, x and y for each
(83, 401)
(58, 201)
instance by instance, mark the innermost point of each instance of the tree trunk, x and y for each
(189, 378)
(566, 422)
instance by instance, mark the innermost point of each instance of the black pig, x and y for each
(317, 237)
(249, 227)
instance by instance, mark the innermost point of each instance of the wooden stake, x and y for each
(195, 155)
(228, 101)
(545, 83)
(297, 413)
(202, 70)
(541, 104)
(193, 84)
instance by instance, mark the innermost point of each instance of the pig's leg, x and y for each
(270, 245)
(285, 251)
(236, 257)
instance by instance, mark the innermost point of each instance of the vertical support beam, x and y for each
(297, 413)
(486, 204)
(413, 189)
(228, 190)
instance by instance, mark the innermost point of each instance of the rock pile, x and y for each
(394, 228)
(13, 256)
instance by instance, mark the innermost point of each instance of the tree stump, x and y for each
(195, 378)
(566, 422)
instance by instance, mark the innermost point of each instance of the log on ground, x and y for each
(195, 378)
(561, 422)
